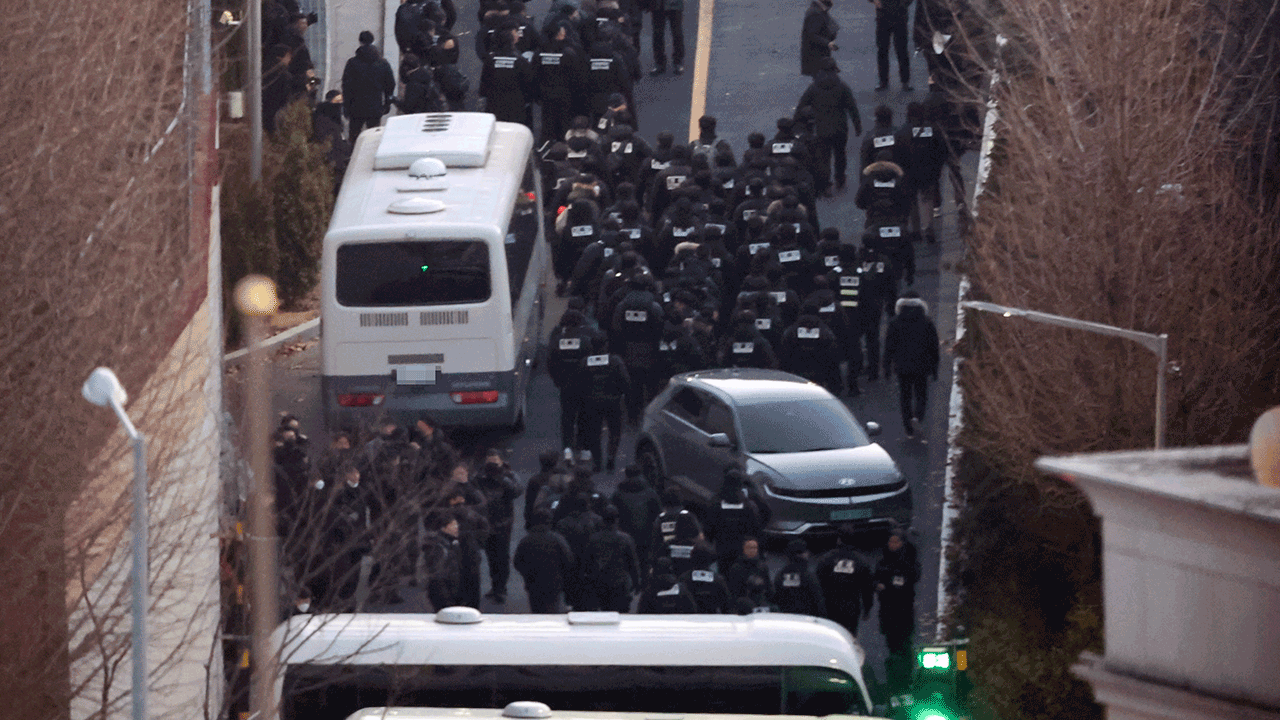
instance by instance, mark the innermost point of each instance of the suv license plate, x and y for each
(853, 514)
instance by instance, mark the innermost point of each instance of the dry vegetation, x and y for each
(1133, 184)
(99, 270)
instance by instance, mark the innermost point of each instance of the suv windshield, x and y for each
(415, 272)
(799, 426)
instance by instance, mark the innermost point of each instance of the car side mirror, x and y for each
(873, 428)
(719, 440)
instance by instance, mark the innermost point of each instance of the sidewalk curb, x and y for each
(291, 333)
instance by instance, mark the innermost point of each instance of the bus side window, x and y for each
(522, 233)
(821, 691)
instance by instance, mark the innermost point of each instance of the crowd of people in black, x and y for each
(405, 508)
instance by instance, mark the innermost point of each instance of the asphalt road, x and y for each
(753, 78)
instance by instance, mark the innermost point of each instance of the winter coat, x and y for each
(367, 84)
(833, 105)
(544, 559)
(501, 488)
(666, 594)
(796, 590)
(847, 585)
(819, 29)
(750, 579)
(612, 561)
(911, 342)
(638, 509)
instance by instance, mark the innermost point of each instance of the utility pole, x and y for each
(254, 28)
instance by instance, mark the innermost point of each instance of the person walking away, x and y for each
(796, 588)
(665, 593)
(612, 566)
(367, 87)
(547, 461)
(817, 36)
(571, 341)
(896, 576)
(577, 526)
(846, 580)
(833, 109)
(604, 380)
(735, 514)
(911, 351)
(675, 532)
(891, 25)
(508, 81)
(543, 559)
(638, 508)
(668, 13)
(498, 482)
(706, 585)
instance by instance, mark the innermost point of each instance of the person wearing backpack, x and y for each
(612, 566)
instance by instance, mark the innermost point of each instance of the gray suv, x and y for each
(803, 449)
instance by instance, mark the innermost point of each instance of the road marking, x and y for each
(701, 66)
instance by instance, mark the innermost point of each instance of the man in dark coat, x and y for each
(896, 575)
(544, 560)
(498, 482)
(911, 350)
(818, 36)
(833, 107)
(442, 558)
(891, 24)
(367, 87)
(508, 81)
(638, 508)
(846, 582)
(562, 74)
(748, 577)
(795, 587)
(613, 571)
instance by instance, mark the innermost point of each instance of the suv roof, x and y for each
(749, 386)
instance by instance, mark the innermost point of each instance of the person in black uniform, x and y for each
(846, 582)
(543, 558)
(735, 515)
(562, 73)
(891, 24)
(635, 333)
(498, 482)
(441, 554)
(896, 575)
(507, 81)
(833, 108)
(705, 583)
(748, 577)
(604, 380)
(665, 593)
(795, 587)
(571, 341)
(667, 12)
(911, 351)
(675, 532)
(809, 349)
(613, 570)
(638, 508)
(578, 523)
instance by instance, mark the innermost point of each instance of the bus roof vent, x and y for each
(416, 205)
(459, 140)
(526, 709)
(458, 615)
(594, 618)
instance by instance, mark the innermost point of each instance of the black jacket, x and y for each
(543, 558)
(611, 560)
(666, 594)
(499, 485)
(911, 342)
(819, 29)
(367, 84)
(796, 590)
(638, 508)
(847, 584)
(833, 105)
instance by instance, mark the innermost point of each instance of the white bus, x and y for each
(524, 710)
(766, 664)
(432, 274)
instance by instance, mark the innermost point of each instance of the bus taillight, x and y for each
(360, 399)
(475, 397)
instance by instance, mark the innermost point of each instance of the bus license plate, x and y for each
(852, 514)
(416, 375)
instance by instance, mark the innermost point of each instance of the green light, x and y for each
(935, 660)
(426, 268)
(932, 713)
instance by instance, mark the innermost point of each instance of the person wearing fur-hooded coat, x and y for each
(911, 351)
(884, 193)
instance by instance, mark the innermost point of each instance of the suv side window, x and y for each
(686, 404)
(718, 419)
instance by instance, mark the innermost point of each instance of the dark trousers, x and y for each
(895, 29)
(868, 331)
(662, 18)
(913, 390)
(542, 599)
(599, 415)
(557, 115)
(469, 584)
(571, 418)
(829, 148)
(497, 550)
(356, 124)
(616, 598)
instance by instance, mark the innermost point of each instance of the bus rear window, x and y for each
(411, 273)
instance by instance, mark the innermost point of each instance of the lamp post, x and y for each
(1158, 344)
(255, 298)
(103, 389)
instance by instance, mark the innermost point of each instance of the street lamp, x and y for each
(103, 389)
(1158, 344)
